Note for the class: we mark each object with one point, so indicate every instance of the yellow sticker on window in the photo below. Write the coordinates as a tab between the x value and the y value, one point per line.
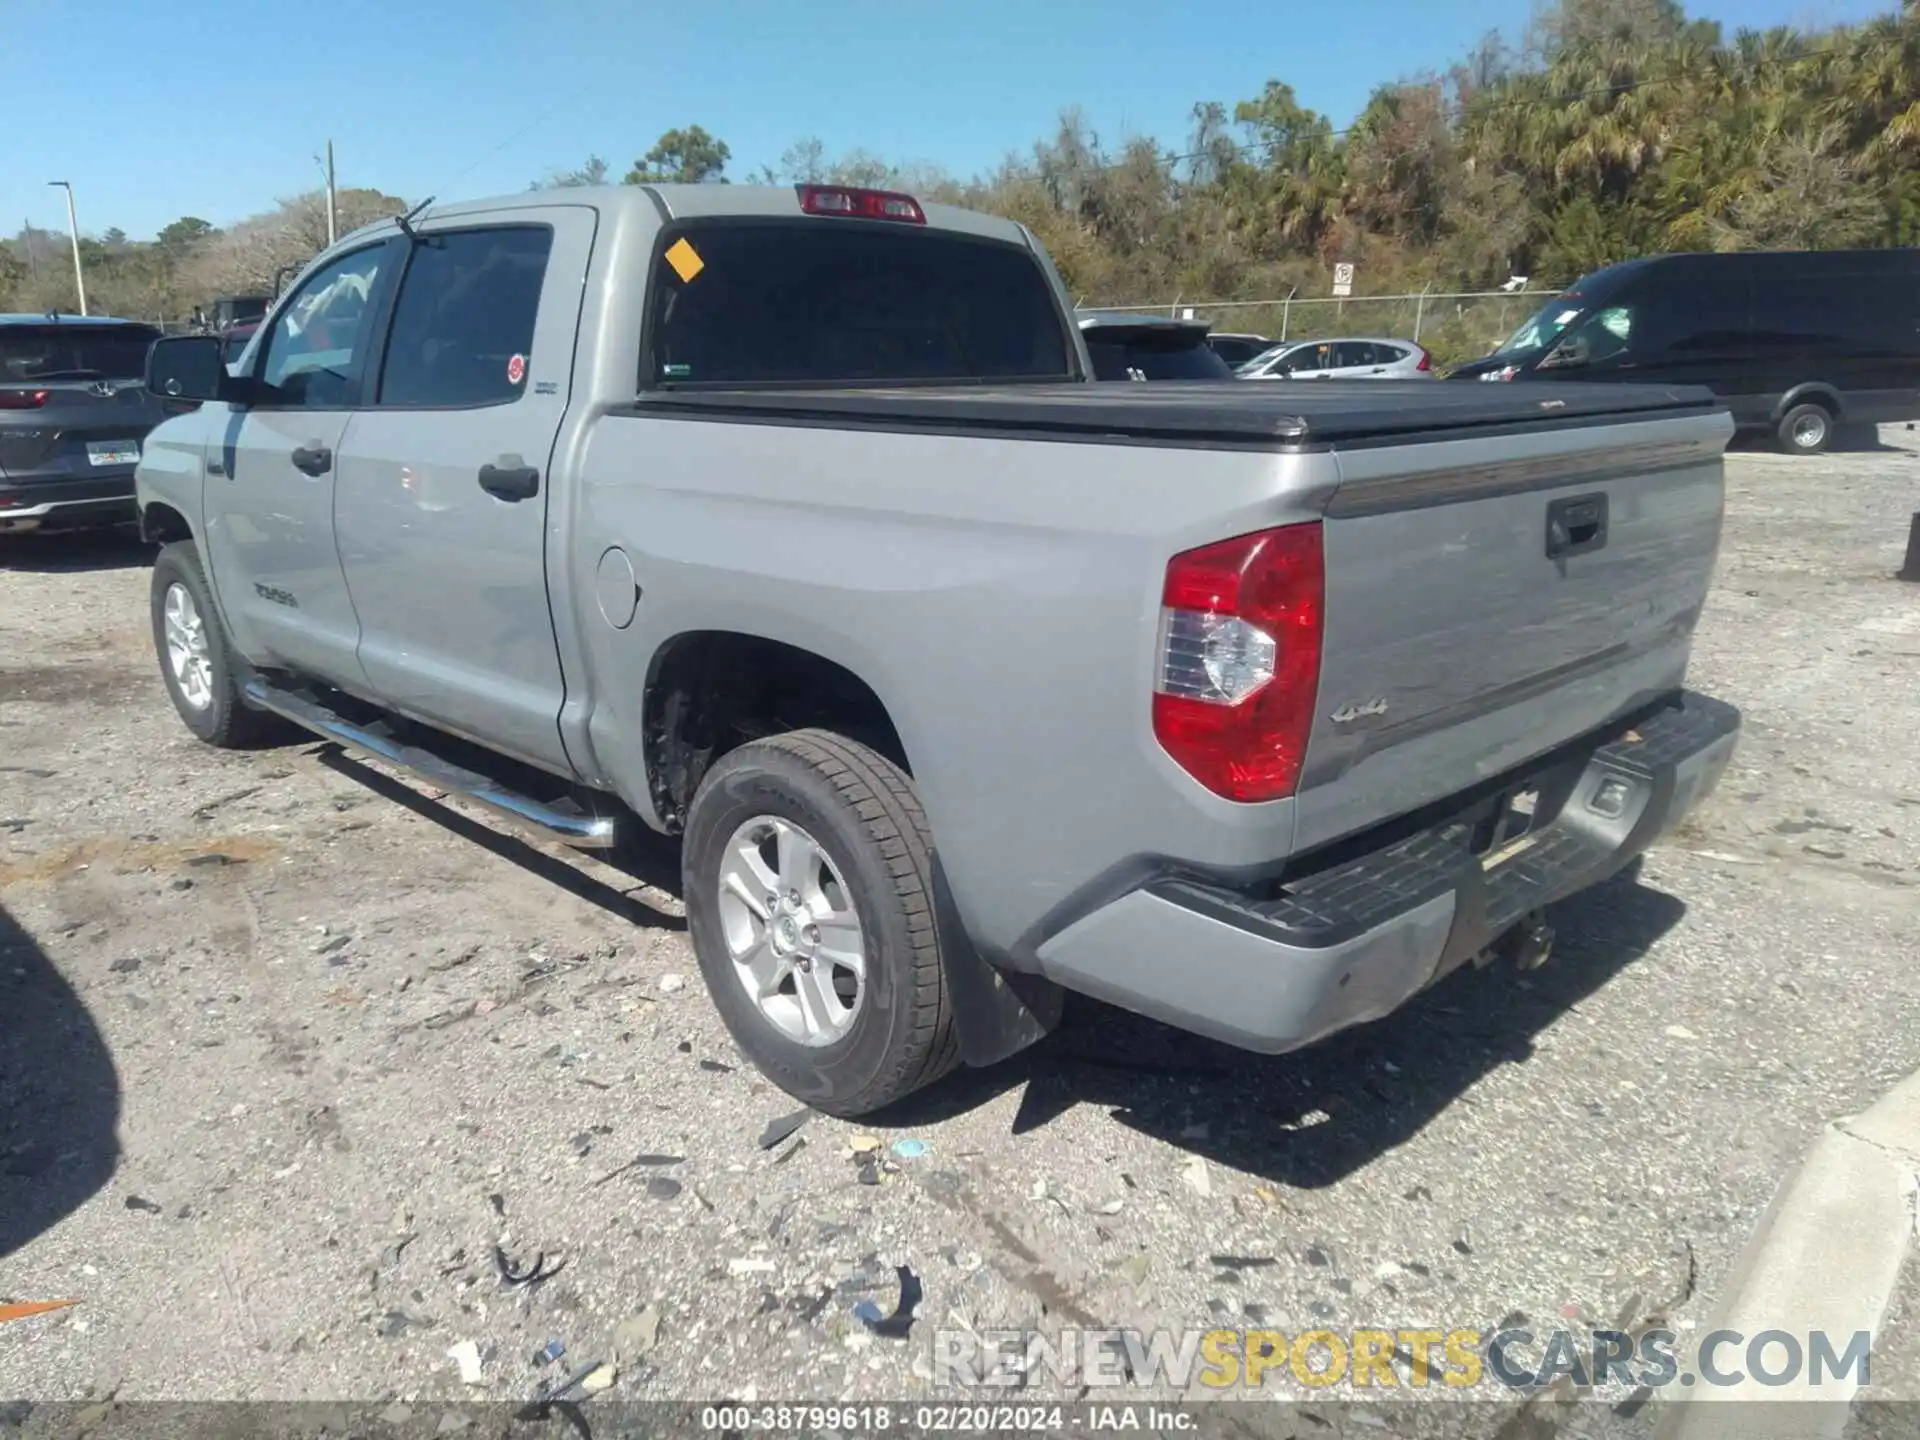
685	260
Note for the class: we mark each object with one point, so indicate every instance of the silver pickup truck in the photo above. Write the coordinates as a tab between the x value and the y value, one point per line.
787	522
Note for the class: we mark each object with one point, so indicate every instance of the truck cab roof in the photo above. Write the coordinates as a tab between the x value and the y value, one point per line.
690	202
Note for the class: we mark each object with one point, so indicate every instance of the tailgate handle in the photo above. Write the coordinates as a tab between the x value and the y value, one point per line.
1576	525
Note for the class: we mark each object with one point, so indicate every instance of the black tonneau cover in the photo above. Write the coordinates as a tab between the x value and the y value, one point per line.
1238	414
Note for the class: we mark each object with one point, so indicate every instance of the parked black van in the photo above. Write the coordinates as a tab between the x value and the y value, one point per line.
1793	341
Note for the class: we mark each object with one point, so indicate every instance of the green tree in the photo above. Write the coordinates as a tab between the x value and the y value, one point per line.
682	157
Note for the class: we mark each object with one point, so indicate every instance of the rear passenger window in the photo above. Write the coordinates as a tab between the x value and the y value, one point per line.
462	332
1356	352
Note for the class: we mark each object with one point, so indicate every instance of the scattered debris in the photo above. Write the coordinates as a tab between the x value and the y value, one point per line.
662	1187
909	1149
1112	1207
398	1322
601	1377
1194	1172
896	1325
548	1353
1242	1262
791	1151
782	1126
715	1067
636	1335
214	858
498	1202
333	943
140	1202
466	1355
582	1143
1133	1269
390	1255
670	983
863	1144
549	1391
639	1161
1680	1032
126	965
1418	1192
750	1265
512	1278
866	1172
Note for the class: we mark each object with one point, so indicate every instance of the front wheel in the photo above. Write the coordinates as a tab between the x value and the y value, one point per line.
1806	429
202	674
808	872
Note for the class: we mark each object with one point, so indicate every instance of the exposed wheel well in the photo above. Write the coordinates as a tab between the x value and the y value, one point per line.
161	524
1827	400
713	690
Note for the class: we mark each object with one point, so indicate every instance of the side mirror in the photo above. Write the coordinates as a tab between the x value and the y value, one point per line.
188	367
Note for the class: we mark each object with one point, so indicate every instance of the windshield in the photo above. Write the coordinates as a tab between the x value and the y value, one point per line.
74	352
1295	348
1545	325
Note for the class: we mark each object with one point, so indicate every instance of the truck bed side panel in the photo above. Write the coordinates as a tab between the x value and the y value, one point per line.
1000	596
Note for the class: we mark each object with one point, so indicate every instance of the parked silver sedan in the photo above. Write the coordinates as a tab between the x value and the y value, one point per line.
1353	359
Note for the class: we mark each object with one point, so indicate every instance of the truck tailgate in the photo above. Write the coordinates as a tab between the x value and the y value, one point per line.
1491	598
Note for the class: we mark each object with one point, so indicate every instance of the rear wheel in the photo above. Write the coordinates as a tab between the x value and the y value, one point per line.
1806	429
202	674
808	875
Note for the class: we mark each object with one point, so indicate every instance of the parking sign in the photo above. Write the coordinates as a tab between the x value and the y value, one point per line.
1343	279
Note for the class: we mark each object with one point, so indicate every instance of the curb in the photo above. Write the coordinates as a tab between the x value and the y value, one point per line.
1824	1257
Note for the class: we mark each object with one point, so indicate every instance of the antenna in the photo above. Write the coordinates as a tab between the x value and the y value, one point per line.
405	222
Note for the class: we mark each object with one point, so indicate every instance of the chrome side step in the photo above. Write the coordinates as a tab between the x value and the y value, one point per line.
569	826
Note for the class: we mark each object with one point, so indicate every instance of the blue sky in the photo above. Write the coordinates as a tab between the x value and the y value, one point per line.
216	107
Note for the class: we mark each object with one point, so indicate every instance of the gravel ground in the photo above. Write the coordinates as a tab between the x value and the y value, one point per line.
288	1050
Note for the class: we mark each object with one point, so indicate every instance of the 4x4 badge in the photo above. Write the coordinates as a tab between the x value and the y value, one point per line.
1347	714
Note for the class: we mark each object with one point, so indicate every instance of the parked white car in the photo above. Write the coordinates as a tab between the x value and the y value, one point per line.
1367	359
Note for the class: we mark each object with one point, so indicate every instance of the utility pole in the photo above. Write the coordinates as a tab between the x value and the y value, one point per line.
73	230
33	251
333	219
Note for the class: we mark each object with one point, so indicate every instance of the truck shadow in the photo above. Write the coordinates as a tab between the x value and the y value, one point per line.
1314	1117
646	859
65	553
59	1095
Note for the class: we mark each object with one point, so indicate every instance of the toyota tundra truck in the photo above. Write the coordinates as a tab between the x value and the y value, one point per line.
787	522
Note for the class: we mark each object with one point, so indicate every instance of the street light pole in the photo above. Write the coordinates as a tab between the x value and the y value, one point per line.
73	231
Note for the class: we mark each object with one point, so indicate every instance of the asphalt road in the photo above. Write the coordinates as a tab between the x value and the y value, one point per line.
287	1050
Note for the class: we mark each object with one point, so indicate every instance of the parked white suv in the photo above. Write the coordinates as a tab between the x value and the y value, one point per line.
1340	360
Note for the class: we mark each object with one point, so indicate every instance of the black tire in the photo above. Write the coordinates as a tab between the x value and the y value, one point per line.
1806	429
862	810
225	719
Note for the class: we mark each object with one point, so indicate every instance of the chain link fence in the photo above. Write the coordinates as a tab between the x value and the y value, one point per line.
1454	325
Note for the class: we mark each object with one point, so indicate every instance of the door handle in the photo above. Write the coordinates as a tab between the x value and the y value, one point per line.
1576	525
312	459
517	482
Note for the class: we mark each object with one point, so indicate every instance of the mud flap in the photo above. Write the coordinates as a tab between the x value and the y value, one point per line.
996	1012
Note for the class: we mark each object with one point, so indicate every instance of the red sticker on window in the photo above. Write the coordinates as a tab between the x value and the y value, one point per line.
516	369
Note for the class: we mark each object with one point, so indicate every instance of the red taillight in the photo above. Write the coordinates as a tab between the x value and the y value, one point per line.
22	399
1240	661
861	204
1426	361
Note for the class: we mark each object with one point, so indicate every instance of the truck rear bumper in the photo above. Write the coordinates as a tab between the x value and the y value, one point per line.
1277	965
